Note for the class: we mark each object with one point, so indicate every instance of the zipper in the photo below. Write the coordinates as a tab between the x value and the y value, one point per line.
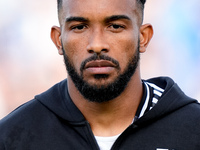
92	139
120	139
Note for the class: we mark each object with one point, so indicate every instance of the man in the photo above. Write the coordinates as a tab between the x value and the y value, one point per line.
104	104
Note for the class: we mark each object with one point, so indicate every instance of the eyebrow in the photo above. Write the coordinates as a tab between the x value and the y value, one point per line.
107	19
116	17
79	19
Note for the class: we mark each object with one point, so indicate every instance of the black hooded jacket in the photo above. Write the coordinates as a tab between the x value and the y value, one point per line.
51	121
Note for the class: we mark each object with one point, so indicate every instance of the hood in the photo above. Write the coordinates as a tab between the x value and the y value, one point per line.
57	100
171	100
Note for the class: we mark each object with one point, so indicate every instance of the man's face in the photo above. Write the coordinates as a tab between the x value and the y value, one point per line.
100	43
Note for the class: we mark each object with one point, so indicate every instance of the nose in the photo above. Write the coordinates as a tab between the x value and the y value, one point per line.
97	43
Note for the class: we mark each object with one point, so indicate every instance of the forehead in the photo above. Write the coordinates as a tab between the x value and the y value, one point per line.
98	8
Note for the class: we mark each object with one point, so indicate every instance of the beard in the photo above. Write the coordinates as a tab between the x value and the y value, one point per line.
102	93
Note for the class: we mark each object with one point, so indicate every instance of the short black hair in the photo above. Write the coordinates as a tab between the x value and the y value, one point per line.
59	3
141	4
143	1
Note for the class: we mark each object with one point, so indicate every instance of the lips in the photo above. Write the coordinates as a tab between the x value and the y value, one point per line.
100	67
100	63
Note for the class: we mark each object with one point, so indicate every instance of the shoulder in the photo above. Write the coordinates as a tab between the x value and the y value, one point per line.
21	117
192	112
23	111
24	123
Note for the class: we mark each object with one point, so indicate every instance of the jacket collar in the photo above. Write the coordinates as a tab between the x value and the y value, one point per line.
57	99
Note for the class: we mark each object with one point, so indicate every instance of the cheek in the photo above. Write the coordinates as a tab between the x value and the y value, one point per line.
74	49
127	49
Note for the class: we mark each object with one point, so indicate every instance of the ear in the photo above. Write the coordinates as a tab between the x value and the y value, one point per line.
146	33
56	38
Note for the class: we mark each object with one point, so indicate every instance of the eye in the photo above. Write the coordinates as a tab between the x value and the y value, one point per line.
79	28
116	27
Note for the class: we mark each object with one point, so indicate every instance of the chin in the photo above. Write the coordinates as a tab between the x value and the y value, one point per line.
100	80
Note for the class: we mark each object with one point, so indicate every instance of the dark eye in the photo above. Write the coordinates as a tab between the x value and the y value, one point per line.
78	28
116	28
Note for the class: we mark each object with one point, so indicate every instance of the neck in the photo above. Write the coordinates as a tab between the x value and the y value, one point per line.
112	117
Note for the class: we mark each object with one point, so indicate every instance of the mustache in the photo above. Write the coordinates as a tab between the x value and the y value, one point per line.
99	57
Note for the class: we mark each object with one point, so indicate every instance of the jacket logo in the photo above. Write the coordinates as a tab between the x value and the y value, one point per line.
163	149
